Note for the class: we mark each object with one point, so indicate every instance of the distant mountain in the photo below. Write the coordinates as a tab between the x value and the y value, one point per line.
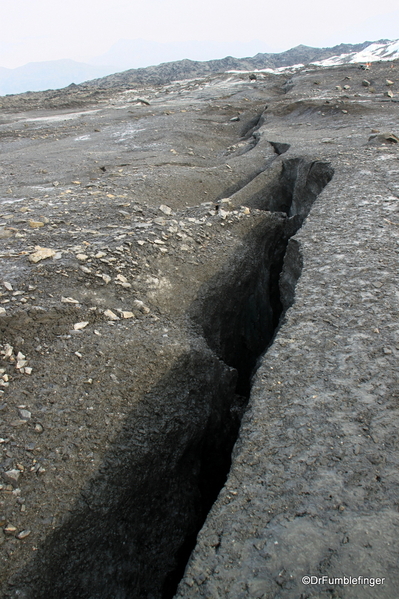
186	69
53	74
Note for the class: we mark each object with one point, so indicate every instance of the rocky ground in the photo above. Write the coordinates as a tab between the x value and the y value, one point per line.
143	234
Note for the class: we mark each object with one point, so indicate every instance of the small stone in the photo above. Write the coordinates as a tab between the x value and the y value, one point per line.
36	224
10	530
25	414
69	300
111	315
7	285
106	279
127	314
79	325
38	428
82	257
28	370
23	534
21	362
389	94
235	119
140	305
389	82
12	477
41	254
2	311
79	355
165	209
347	86
366	83
5	233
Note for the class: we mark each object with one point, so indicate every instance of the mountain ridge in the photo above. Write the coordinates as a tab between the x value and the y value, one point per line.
51	75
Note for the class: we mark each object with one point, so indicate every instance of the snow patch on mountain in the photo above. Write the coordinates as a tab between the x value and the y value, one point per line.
372	53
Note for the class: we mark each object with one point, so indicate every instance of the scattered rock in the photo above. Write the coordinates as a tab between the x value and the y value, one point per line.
165	209
41	254
111	315
12	477
5	233
68	300
126	314
142	307
79	326
36	224
23	534
25	414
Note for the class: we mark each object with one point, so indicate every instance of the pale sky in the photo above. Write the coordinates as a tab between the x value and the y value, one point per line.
40	30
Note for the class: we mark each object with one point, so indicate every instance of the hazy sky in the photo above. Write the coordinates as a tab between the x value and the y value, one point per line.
38	30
